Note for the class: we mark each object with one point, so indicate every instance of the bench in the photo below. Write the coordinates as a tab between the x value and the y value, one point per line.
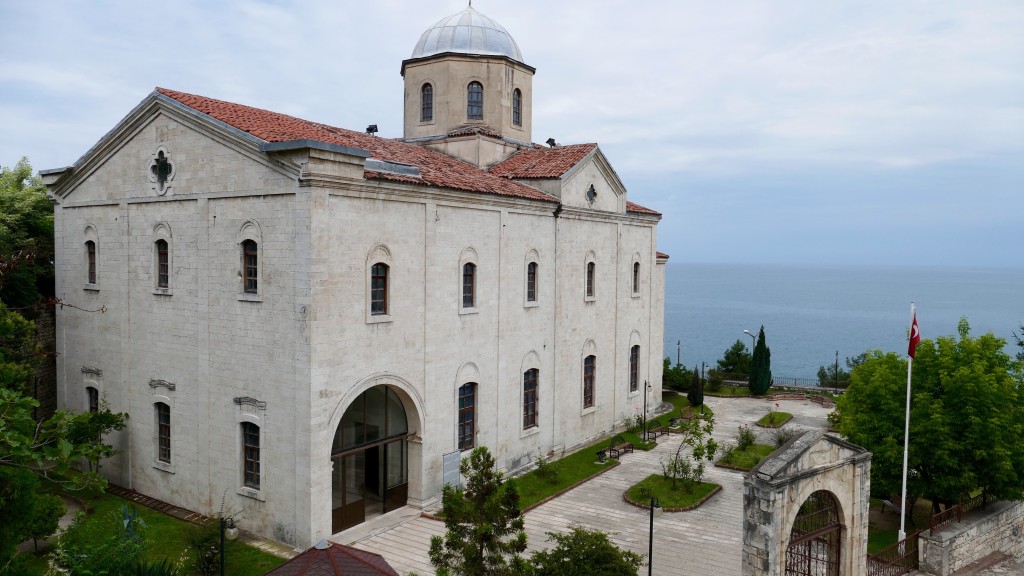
893	503
618	447
653	433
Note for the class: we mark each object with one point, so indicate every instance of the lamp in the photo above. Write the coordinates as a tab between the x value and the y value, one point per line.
753	340
551	142
371	129
228	530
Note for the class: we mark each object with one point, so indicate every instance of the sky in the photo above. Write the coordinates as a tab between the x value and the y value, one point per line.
794	132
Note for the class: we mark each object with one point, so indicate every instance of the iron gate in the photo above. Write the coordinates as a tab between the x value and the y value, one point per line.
814	541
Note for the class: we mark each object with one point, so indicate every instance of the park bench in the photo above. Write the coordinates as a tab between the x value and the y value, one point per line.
893	503
653	433
618	447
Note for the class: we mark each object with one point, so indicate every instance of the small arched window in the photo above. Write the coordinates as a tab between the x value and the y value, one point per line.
589	366
93	399
250	266
163	264
590	279
636	277
90	258
517	107
251	455
469	285
530	378
427	103
163	432
634	368
379	289
475	101
467	415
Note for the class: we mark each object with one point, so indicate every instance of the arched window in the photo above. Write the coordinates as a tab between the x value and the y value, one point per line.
427	103
517	107
379	289
163	432
469	285
636	277
90	258
251	455
531	282
467	415
475	101
93	399
634	368
589	365
163	264
249	265
530	378
590	279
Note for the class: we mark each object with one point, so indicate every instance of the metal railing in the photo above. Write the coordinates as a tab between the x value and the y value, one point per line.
897	559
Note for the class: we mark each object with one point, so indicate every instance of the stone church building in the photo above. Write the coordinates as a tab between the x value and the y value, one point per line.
312	323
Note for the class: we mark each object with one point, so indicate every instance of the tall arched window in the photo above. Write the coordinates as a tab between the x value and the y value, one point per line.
250	265
590	279
517	107
251	455
475	101
90	258
531	282
589	366
163	264
93	399
636	277
530	398
379	289
467	415
469	285
634	368
427	103
163	432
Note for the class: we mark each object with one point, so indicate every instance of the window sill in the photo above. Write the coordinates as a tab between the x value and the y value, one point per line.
252	493
162	291
533	304
249	297
468	311
530	431
379	318
163	466
633	393
588	410
91	287
636	295
590	298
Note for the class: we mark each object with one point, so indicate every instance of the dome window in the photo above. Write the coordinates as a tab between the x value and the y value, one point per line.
475	101
427	102
517	107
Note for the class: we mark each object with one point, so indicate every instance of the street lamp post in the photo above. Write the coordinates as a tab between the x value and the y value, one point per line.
227	528
655	511
753	340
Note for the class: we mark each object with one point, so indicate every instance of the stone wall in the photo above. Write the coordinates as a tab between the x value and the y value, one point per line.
999	528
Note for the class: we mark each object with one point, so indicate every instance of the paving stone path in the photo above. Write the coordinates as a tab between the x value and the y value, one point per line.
696	543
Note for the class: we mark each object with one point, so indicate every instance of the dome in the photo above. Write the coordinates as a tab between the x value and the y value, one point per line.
468	32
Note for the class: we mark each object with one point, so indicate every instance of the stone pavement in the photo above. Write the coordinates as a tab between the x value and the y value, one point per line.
704	541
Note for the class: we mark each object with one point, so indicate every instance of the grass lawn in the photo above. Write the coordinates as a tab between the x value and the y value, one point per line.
879	540
747	459
571	469
166	537
728	392
774	420
659	487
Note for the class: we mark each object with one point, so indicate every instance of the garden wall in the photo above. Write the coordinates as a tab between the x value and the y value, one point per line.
998	528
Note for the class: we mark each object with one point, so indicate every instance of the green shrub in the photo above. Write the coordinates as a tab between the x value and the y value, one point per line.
745	438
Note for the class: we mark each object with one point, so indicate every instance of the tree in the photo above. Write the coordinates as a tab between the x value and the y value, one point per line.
735	360
484	527
966	419
584	552
828	375
26	237
696	393
760	367
696	434
1020	342
674	377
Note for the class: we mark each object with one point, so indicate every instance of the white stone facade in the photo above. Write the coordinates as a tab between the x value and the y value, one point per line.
293	356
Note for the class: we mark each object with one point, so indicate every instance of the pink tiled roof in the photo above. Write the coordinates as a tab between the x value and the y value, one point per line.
436	169
330	559
542	162
634	207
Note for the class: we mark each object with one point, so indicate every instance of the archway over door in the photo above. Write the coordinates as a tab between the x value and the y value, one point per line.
370	458
815	540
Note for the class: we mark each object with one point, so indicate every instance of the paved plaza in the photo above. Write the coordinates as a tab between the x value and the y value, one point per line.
697	543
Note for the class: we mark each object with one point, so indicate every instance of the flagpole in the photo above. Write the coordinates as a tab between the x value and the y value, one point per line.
906	432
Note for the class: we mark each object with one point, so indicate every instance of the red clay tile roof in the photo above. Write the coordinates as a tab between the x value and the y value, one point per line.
436	169
542	162
662	255
634	207
335	560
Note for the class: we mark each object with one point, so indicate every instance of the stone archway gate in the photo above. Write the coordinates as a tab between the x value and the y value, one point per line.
817	478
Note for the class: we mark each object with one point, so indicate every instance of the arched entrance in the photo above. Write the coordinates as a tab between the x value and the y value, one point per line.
370	458
815	539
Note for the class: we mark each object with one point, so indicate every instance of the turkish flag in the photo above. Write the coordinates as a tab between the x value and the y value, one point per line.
915	337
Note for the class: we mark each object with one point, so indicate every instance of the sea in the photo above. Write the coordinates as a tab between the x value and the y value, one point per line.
811	314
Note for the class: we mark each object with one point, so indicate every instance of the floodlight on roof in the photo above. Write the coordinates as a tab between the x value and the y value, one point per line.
371	129
551	142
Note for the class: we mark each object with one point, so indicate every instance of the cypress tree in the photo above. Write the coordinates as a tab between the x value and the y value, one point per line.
696	393
760	367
